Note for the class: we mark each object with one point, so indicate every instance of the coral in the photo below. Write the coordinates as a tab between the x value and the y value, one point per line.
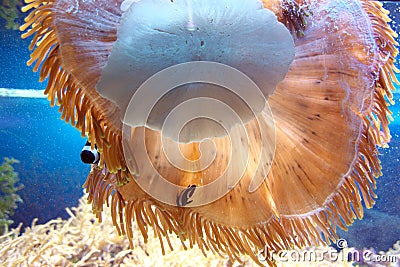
8	193
84	241
369	257
10	11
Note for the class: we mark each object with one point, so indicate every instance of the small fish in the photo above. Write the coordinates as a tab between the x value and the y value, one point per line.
89	155
183	197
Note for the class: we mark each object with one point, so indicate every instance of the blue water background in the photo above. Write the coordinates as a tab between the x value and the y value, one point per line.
48	150
32	132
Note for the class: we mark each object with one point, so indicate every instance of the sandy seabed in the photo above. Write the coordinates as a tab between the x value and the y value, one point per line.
83	241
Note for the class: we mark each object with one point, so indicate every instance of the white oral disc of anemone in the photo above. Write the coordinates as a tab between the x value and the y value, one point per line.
156	34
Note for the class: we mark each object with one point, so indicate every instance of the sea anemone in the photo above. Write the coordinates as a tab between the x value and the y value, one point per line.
154	83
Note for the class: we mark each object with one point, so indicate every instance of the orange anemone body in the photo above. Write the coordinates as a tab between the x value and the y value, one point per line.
330	113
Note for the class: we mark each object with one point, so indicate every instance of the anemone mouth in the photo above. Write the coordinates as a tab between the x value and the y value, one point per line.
160	39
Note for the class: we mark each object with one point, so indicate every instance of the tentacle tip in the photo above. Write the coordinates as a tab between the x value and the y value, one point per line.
25	8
